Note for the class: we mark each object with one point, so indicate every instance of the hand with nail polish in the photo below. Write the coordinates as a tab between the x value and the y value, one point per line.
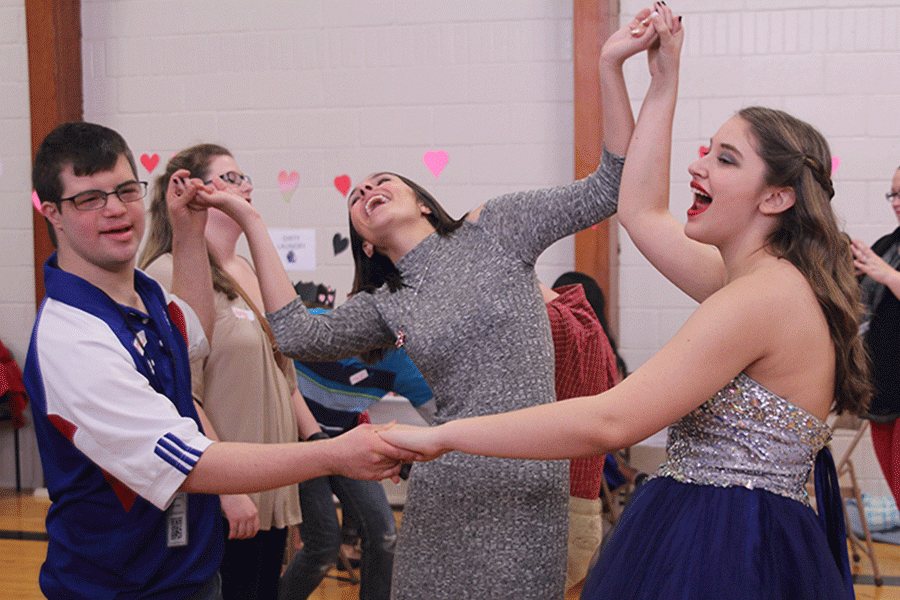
634	37
188	215
664	51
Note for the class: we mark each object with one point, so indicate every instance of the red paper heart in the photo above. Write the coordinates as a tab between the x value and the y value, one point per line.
704	150
149	162
342	183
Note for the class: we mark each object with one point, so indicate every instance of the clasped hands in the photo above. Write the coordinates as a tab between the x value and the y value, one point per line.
378	451
188	198
423	441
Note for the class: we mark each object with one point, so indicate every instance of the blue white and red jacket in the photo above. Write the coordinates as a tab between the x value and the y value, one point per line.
118	433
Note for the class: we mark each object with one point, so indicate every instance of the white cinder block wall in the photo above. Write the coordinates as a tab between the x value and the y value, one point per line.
345	87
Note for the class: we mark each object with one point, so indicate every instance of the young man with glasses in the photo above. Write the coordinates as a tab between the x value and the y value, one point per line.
131	475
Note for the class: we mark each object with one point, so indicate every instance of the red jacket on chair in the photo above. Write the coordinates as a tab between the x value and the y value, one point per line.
11	383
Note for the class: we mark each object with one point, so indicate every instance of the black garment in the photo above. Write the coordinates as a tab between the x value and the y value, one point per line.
251	568
882	340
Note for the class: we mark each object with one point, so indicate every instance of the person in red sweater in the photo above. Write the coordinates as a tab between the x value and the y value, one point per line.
585	365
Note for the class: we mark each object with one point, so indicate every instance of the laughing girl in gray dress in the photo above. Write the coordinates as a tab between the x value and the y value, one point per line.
462	297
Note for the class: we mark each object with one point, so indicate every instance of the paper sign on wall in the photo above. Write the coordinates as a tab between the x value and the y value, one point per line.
296	247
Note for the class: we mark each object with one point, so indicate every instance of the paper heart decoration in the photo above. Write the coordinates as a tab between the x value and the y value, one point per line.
835	163
287	183
704	150
339	243
149	162
36	201
342	183
436	161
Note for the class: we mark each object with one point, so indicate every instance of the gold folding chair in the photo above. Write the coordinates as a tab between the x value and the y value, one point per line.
850	489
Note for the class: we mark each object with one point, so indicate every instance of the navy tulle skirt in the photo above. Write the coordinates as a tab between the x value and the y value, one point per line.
678	540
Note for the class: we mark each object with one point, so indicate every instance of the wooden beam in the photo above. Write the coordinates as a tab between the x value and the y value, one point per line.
596	249
53	28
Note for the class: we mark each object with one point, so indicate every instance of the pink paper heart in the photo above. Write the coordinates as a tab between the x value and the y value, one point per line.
704	150
149	162
835	163
36	201
287	183
436	161
342	183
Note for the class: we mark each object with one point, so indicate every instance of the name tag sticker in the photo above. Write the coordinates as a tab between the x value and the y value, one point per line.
358	376
241	313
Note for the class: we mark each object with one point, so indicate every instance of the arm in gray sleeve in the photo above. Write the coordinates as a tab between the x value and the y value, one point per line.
348	330
526	223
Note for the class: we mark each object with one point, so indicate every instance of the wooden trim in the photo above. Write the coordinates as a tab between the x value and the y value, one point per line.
53	28
596	249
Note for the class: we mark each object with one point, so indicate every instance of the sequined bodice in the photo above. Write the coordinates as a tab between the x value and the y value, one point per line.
745	435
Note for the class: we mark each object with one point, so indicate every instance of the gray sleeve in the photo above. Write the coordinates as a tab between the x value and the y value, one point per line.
526	223
352	328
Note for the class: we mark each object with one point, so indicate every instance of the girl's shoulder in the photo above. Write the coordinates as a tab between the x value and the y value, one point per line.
775	277
773	292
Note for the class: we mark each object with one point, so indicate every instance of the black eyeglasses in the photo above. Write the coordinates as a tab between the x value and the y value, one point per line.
891	195
234	178
130	191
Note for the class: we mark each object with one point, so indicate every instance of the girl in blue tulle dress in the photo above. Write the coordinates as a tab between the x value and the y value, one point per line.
746	384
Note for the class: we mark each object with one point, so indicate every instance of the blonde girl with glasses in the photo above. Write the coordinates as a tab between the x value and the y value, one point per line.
246	390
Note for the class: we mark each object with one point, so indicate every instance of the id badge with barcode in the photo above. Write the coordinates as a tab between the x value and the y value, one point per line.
176	521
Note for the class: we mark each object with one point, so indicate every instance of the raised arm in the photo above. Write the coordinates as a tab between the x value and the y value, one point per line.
275	285
191	278
618	120
695	268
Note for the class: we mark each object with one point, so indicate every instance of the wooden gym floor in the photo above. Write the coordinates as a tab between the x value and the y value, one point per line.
23	547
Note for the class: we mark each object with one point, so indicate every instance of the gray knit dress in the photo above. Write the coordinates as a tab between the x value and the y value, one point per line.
472	319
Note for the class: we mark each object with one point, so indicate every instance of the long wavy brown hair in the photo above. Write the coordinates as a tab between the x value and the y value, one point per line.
797	155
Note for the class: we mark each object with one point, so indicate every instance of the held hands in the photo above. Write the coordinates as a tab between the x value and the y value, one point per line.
635	36
664	52
867	262
242	515
361	453
421	440
656	30
217	195
186	212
